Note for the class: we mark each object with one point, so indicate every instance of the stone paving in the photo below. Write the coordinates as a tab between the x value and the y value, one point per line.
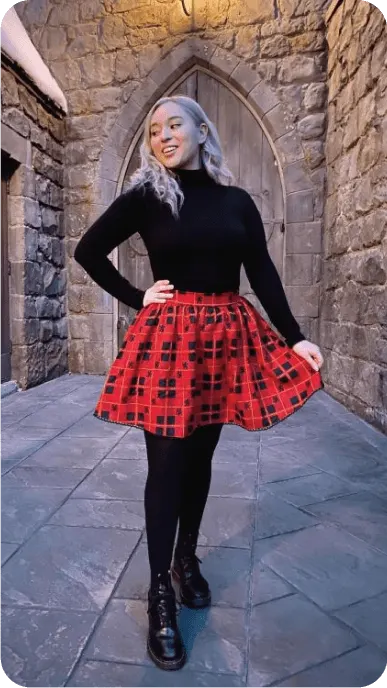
293	541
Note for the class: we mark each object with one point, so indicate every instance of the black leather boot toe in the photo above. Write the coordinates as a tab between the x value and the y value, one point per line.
165	645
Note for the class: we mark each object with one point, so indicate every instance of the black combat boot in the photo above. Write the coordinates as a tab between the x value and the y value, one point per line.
194	589
165	645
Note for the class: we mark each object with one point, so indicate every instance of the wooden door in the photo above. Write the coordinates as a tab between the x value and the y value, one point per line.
5	319
251	160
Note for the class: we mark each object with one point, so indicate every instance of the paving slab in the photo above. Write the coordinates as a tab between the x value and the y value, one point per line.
362	514
101	513
67	567
282	642
368	617
71	452
293	543
331	567
353	669
24	509
275	516
115	674
40	646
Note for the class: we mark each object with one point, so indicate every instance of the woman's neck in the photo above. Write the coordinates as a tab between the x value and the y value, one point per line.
193	177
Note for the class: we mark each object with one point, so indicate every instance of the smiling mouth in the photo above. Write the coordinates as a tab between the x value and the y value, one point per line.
169	152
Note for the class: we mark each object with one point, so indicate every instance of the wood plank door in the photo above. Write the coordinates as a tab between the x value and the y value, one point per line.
250	158
5	316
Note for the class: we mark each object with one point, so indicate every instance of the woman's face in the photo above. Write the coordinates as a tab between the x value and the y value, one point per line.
174	137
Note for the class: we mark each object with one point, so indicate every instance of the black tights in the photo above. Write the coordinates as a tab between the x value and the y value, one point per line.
176	490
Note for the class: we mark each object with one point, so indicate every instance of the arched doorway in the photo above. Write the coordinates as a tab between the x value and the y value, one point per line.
251	158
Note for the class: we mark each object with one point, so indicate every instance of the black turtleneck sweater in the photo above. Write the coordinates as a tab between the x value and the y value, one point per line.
218	230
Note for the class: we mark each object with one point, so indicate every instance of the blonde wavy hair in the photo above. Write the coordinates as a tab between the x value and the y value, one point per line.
162	180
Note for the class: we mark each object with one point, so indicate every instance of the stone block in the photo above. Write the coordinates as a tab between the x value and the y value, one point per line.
76	358
80	175
9	89
312	126
300	206
223	61
112	30
314	153
303	237
335	143
88	299
28	104
33	278
50	220
296	177
16	120
245	12
120	138
295	68
244	78
101	99
304	300
315	97
274	46
268	70
44	165
360	16
46	330
105	191
99	68
35	371
92	9
289	148
60	328
299	269
263	97
370	150
110	166
144	95
98	357
378	60
83	126
56	360
23	182
92	327
276	122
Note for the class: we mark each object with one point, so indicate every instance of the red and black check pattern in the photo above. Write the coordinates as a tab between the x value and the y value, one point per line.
204	358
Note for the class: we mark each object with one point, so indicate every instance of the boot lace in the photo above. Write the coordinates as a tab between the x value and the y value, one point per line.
166	604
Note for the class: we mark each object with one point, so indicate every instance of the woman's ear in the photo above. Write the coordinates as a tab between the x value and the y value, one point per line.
203	132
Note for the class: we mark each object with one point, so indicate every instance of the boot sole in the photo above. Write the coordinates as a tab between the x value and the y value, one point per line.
187	603
172	665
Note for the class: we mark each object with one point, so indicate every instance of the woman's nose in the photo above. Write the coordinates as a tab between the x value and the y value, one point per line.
166	135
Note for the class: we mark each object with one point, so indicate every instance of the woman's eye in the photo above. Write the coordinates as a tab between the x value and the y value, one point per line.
175	125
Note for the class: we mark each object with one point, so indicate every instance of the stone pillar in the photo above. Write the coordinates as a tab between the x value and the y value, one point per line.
354	309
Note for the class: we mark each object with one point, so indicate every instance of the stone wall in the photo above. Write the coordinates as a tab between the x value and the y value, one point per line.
354	304
38	283
104	54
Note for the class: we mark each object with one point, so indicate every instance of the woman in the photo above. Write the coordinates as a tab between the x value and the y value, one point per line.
197	354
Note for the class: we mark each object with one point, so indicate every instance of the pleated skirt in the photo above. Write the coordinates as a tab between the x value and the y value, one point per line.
202	358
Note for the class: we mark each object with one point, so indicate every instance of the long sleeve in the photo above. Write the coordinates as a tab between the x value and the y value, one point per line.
119	222
264	278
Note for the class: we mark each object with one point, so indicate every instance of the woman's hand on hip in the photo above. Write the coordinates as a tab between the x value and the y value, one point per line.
157	292
310	352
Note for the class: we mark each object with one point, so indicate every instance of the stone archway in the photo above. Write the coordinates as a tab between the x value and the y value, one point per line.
298	189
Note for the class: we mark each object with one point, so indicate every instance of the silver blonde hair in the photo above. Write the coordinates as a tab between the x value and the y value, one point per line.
162	180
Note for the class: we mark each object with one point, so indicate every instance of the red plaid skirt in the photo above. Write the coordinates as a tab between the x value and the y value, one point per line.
203	358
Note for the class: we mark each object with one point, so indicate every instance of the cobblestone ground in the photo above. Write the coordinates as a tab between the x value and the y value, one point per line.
294	543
